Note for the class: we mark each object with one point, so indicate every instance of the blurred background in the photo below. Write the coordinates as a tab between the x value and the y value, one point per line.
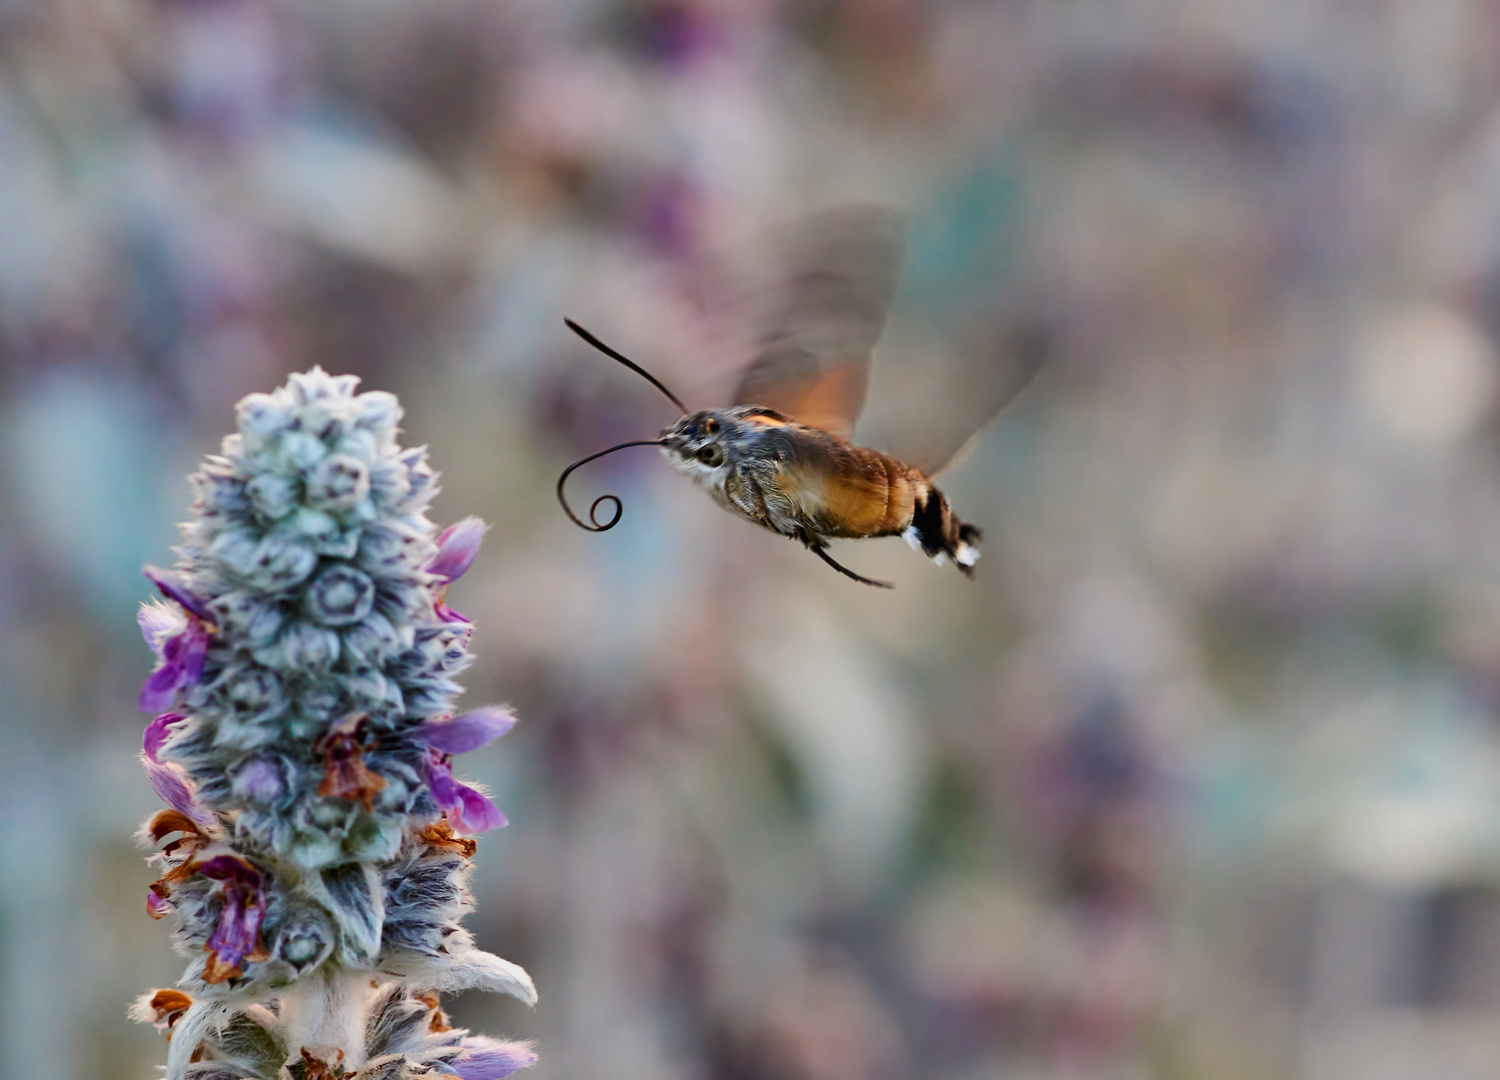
1199	780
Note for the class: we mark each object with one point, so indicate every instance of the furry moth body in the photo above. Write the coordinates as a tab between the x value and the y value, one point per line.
801	482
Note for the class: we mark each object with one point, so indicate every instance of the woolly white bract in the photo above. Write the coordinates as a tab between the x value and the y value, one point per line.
304	747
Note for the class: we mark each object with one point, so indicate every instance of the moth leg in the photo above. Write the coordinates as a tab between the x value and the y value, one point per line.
747	496
762	511
822	553
820	549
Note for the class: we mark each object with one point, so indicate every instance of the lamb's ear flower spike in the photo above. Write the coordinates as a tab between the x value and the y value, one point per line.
310	852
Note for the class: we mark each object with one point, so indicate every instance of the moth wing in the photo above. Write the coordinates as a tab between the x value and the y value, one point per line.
941	405
821	316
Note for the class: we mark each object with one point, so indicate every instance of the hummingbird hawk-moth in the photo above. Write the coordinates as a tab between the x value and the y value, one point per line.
781	453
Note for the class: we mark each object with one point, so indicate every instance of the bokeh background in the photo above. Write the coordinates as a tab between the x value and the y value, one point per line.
1199	780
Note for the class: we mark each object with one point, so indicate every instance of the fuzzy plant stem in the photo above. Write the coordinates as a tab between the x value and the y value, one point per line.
329	1010
315	844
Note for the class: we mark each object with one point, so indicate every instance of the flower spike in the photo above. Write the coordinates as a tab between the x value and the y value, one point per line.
302	737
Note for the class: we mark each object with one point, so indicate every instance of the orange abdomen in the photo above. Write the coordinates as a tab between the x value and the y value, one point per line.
871	494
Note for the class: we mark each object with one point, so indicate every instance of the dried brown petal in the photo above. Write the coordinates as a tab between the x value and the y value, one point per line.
440	835
345	773
168	1005
216	971
162	885
169	821
316	1064
440	1019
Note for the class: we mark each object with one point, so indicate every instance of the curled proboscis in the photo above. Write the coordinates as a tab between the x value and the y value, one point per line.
594	524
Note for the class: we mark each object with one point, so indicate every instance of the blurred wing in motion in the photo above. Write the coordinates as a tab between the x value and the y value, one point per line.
821	320
993	370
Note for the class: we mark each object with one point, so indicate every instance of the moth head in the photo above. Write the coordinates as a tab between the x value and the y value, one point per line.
699	443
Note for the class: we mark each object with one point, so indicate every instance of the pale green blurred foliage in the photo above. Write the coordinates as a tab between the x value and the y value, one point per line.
1198	780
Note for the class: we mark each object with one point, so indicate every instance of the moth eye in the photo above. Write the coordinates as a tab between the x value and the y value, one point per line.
711	426
711	456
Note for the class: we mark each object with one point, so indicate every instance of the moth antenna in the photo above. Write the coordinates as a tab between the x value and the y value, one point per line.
594	508
631	364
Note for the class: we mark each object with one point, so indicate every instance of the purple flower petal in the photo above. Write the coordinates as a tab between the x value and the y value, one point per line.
171	783
230	868
467	731
457	546
259	780
440	779
234	937
172	588
182	663
156	907
158	622
448	614
157	733
468	810
192	647
491	1059
161	688
474	813
237	934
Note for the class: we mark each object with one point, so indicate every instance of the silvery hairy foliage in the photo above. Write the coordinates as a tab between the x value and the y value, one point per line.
312	849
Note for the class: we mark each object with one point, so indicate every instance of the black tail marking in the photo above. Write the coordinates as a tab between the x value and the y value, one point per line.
939	532
927	520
